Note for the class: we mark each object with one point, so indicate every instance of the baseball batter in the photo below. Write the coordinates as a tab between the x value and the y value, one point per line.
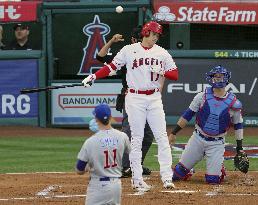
103	153
105	57
147	65
215	110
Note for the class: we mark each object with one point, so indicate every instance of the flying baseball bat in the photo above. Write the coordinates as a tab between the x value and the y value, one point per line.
36	90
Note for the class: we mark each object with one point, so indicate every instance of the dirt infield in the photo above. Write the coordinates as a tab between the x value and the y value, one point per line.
69	189
16	131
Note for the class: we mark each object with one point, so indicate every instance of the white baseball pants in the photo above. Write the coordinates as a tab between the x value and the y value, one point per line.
140	108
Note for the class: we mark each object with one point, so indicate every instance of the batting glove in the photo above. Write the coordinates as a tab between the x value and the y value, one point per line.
86	82
157	69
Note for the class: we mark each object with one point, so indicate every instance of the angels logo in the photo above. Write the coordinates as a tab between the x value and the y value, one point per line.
96	32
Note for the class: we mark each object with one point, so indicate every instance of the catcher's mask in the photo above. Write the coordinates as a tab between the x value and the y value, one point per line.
151	26
218	77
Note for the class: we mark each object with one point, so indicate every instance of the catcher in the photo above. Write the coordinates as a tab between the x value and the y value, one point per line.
215	110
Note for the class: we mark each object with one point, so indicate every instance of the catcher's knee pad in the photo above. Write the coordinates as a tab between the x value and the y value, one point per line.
212	179
180	172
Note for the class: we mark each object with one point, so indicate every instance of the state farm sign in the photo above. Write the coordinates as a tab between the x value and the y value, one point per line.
206	12
18	11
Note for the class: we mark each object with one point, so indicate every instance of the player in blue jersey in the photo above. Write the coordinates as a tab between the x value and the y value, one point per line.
215	109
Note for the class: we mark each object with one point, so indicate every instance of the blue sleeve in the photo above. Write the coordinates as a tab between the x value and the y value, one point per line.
81	165
238	126
188	114
237	105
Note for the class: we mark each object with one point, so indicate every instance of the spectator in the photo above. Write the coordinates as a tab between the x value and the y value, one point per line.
1	37
21	41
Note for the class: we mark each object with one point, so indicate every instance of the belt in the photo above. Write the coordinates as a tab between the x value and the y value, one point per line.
102	179
208	138
105	179
144	92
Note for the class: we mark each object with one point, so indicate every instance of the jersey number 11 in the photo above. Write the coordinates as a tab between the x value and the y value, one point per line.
107	163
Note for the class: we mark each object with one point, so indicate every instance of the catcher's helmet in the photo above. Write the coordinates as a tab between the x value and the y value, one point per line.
151	26
221	70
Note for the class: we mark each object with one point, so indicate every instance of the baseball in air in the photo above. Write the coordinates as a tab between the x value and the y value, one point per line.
119	9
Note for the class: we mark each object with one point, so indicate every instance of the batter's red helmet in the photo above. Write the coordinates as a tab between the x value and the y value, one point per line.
151	26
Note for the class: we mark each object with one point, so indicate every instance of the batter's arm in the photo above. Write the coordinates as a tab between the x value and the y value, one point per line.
118	61
171	74
171	71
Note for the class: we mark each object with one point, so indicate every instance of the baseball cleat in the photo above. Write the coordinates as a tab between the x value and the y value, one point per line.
146	171
189	175
141	186
168	184
223	174
126	172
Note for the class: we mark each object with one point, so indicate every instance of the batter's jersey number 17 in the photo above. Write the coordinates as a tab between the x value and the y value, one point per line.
153	77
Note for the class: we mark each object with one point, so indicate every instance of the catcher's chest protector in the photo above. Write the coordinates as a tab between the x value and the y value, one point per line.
213	117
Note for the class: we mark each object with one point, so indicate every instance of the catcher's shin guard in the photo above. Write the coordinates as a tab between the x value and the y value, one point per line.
212	179
181	172
215	179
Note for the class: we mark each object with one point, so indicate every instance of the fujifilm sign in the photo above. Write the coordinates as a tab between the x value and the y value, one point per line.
199	87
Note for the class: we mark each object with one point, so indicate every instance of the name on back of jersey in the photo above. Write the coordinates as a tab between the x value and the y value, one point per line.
109	142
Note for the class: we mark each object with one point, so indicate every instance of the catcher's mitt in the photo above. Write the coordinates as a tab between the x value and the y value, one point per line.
241	161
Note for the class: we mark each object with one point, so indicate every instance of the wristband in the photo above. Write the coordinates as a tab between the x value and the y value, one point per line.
176	130
239	145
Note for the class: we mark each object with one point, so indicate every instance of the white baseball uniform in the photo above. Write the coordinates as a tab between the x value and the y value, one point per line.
143	102
103	153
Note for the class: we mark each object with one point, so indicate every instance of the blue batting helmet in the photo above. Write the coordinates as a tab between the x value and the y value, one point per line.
221	70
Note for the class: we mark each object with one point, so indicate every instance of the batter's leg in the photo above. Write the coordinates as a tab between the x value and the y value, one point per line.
146	144
126	129
135	106
147	141
193	153
214	163
157	122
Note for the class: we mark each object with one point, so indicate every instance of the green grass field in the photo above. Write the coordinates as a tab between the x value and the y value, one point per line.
48	154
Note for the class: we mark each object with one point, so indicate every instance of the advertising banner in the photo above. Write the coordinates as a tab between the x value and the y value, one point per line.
15	75
18	11
177	95
211	12
74	106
